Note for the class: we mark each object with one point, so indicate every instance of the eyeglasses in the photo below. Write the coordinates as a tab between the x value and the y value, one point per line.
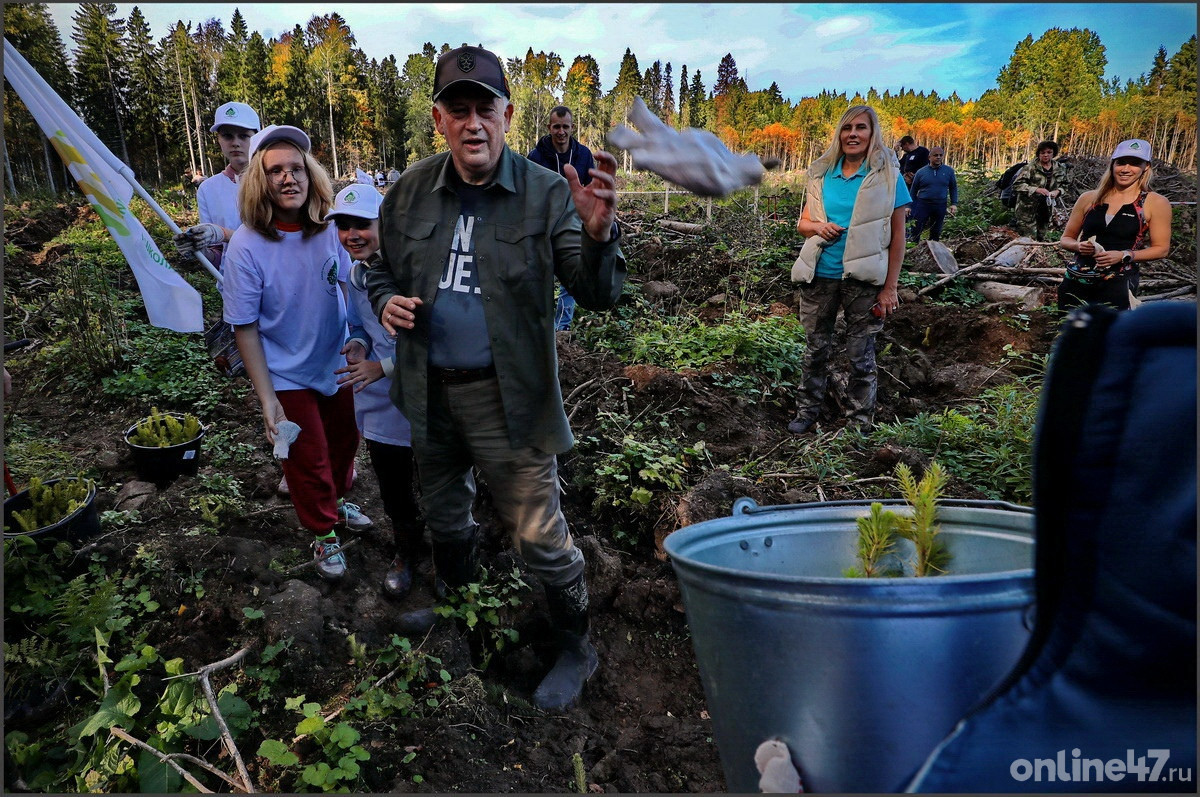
347	223
277	175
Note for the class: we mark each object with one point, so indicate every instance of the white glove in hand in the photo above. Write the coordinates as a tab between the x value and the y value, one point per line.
286	433
694	159
199	238
774	764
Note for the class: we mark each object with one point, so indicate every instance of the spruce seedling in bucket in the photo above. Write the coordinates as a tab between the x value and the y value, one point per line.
879	531
921	528
50	504
162	430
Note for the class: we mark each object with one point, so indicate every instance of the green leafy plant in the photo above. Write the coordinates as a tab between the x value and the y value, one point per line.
338	767
484	607
986	443
52	503
163	429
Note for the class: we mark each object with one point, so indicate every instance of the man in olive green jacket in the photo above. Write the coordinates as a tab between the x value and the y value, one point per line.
473	240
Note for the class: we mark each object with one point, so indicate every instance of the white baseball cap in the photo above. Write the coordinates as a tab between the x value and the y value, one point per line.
279	133
358	200
1132	148
237	114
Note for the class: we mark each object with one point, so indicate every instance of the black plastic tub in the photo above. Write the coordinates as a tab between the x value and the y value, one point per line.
81	524
163	464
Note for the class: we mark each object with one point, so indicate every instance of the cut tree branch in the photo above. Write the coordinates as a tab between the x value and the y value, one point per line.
161	756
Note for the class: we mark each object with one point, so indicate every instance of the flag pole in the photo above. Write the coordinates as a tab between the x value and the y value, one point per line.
127	173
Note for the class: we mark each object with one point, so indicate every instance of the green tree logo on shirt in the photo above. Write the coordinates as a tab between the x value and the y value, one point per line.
331	274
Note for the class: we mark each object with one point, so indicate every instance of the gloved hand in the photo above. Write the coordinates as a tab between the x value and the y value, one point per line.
286	433
198	238
694	159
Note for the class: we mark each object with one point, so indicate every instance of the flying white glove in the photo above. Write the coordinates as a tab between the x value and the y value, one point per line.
694	159
198	238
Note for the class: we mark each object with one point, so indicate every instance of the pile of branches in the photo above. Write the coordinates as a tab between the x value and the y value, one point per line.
1085	172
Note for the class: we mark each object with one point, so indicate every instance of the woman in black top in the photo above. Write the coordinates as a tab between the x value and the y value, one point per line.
1112	229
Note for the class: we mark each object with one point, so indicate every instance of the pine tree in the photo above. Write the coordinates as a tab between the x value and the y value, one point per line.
231	71
30	28
416	81
727	76
685	116
668	99
696	116
256	67
148	98
101	74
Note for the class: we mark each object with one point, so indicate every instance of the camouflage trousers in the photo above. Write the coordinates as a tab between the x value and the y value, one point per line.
1028	218
820	301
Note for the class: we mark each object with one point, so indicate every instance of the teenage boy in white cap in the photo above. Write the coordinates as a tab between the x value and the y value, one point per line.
216	198
370	356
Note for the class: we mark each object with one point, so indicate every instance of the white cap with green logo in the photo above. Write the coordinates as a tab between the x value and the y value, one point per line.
362	201
235	114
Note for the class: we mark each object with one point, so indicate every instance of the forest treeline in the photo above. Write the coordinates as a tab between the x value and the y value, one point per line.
152	101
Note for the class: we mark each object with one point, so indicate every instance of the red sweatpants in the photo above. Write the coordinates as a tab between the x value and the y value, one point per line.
320	462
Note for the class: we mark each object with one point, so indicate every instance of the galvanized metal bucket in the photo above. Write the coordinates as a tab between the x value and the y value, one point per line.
861	678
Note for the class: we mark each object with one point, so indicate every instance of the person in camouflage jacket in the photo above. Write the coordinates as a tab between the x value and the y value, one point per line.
1039	183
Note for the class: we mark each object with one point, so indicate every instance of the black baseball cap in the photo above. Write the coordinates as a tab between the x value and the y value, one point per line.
471	65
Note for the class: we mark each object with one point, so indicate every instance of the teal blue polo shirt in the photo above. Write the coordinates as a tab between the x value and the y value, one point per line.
839	195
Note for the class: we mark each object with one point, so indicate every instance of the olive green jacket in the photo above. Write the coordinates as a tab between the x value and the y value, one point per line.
530	235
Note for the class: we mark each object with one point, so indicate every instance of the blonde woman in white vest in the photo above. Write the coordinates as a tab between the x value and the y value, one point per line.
853	221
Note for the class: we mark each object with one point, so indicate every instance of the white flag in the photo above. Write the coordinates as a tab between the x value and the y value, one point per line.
364	178
170	301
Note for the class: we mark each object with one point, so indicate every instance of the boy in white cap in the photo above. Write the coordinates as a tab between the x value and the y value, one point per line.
370	356
216	198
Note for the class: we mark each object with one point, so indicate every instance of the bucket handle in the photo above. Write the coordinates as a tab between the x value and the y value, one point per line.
748	506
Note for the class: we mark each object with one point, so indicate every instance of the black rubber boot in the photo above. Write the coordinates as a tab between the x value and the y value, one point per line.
577	659
456	563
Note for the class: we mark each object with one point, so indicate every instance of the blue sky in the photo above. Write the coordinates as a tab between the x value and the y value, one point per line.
803	47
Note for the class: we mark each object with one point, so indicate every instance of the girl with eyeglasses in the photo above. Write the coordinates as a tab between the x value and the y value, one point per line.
370	356
1113	229
285	295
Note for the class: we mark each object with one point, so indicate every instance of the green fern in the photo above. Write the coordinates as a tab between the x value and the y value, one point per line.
34	657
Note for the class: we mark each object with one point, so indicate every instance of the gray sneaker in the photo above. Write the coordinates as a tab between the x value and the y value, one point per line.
352	517
334	567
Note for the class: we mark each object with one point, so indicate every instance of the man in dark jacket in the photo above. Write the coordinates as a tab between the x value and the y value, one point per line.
914	158
554	151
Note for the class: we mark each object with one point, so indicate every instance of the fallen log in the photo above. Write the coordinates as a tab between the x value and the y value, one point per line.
989	260
1171	294
1029	298
681	226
